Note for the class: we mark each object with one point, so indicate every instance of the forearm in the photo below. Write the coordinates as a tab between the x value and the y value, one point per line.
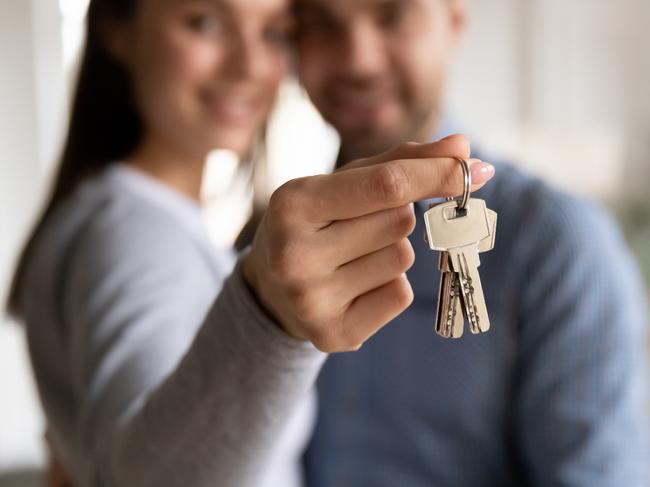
215	419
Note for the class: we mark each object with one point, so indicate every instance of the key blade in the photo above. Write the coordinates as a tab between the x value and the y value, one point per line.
466	262
449	316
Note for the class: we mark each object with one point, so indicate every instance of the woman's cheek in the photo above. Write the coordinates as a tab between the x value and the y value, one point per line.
195	61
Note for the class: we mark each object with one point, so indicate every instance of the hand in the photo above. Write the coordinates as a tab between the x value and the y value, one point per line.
330	255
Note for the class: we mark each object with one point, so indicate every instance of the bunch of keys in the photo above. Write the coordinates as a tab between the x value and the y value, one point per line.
460	230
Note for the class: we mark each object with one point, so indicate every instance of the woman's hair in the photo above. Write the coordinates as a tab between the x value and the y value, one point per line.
104	124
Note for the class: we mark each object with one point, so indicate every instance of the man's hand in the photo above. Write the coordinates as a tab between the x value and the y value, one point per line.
329	258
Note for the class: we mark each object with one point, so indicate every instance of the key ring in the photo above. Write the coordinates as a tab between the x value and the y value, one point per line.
467	180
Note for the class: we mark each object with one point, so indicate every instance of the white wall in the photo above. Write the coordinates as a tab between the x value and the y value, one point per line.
25	132
561	87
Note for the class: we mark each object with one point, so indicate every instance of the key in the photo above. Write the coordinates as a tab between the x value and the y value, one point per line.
463	237
449	316
465	261
485	245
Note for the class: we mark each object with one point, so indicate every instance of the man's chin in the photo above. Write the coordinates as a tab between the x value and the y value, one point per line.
366	141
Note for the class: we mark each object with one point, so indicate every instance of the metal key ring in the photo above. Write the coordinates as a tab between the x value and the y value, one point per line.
467	180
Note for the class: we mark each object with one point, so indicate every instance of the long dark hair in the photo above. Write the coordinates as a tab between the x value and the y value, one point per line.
104	124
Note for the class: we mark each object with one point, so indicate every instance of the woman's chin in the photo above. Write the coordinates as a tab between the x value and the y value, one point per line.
238	143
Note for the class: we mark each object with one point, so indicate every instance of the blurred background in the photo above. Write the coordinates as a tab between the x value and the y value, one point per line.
560	87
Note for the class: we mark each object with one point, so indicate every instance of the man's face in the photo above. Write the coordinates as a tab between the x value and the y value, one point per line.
375	68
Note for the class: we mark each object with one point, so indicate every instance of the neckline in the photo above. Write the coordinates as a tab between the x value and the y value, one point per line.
183	208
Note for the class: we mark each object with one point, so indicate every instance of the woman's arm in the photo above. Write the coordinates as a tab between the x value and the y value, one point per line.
158	402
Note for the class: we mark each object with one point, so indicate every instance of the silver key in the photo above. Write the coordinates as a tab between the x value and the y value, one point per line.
465	261
449	316
463	237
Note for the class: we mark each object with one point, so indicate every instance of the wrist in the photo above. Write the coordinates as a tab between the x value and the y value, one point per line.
251	279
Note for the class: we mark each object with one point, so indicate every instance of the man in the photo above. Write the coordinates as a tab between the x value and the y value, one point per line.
553	393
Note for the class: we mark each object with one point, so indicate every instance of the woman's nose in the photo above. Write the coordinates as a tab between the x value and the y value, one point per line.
249	58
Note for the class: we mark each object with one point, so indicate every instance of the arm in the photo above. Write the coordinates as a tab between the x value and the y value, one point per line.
160	403
580	414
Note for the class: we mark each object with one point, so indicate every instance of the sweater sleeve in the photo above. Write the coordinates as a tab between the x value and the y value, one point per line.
164	395
580	411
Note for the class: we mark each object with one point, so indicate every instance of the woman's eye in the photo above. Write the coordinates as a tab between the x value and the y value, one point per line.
203	24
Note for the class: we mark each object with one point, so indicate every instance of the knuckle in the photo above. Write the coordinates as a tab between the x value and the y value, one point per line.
404	220
406	148
335	338
450	177
403	293
463	144
304	303
287	201
324	341
350	343
404	254
288	261
391	182
282	260
350	336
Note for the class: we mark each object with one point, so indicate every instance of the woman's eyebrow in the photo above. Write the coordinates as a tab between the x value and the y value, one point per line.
214	3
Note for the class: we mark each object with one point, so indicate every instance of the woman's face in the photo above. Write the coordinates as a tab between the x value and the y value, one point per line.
206	72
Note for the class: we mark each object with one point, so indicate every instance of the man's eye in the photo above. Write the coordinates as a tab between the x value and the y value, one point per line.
203	24
391	15
315	23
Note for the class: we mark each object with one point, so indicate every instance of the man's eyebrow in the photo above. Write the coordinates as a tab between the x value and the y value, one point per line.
313	7
220	4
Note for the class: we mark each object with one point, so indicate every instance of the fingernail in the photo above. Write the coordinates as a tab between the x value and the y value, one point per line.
481	172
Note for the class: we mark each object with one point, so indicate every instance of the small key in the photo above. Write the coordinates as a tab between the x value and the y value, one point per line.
463	237
449	316
485	245
465	261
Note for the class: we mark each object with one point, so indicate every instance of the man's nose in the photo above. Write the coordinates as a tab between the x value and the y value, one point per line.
363	49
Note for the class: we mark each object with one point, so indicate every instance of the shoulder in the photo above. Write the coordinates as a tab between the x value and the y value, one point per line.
115	224
553	241
544	218
102	232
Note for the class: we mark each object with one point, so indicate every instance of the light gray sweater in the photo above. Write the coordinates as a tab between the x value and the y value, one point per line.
156	368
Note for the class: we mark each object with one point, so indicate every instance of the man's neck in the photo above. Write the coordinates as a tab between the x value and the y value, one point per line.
351	150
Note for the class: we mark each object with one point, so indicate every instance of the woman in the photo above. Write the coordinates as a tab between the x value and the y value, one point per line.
118	275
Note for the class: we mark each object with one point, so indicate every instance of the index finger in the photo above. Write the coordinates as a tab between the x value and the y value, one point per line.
364	190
